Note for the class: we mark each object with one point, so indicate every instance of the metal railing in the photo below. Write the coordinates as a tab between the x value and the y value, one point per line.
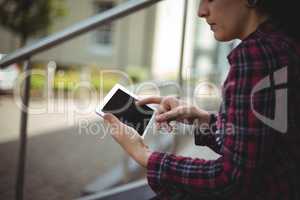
25	54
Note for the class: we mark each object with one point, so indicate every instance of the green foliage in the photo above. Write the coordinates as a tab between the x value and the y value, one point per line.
137	74
106	84
68	80
29	17
37	82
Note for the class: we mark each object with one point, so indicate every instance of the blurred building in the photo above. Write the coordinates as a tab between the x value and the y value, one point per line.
149	39
125	42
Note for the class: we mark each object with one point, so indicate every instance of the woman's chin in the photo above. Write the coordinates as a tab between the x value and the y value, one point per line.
221	37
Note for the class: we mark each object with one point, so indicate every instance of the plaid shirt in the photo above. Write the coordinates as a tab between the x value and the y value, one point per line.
257	162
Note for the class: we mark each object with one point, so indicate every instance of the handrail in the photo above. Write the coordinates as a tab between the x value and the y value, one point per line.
78	29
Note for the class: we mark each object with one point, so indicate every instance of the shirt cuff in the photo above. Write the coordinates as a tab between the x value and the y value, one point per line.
155	170
206	137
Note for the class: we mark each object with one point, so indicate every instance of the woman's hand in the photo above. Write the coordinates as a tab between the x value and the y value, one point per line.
170	109
129	139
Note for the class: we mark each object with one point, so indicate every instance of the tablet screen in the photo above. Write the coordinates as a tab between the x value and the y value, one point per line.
122	105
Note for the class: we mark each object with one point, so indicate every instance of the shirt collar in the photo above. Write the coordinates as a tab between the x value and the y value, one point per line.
265	28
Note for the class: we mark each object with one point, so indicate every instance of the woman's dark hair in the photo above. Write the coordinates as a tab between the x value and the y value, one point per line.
285	14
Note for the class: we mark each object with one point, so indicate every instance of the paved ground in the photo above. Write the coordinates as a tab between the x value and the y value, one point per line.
44	116
59	164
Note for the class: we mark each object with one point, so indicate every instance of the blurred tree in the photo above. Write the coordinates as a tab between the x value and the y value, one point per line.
26	18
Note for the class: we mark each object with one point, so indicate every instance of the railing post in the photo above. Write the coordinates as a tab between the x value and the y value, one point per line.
181	62
23	133
184	21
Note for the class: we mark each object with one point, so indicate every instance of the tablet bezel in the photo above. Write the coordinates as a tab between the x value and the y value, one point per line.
109	96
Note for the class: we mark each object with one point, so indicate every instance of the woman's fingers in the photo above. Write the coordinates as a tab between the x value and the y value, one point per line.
164	126
110	118
161	109
115	124
168	116
149	100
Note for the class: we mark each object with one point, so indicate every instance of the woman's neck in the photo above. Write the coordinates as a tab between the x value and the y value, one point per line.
255	19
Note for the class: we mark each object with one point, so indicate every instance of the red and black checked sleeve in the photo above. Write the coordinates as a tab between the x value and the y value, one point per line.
207	137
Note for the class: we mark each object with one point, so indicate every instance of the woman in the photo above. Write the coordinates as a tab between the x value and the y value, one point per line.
259	158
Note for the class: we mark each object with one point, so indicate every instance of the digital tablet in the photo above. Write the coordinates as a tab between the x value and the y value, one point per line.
121	103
